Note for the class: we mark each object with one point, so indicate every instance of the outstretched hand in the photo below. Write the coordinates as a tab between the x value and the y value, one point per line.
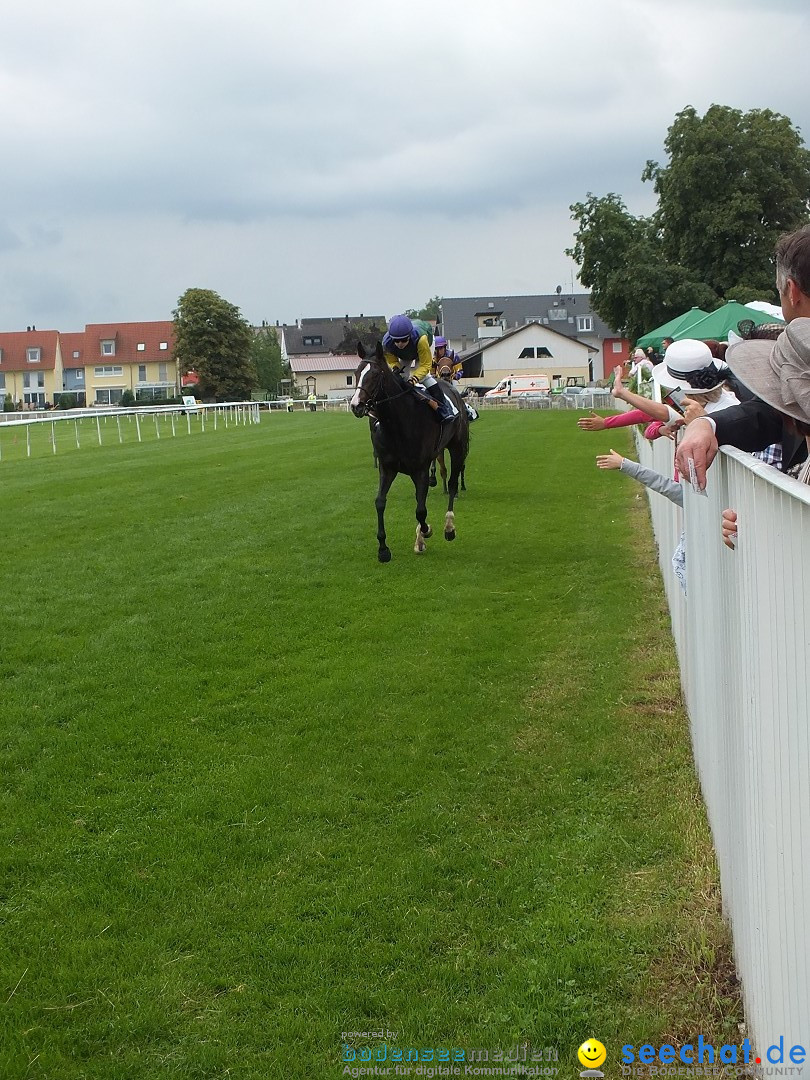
609	461
591	423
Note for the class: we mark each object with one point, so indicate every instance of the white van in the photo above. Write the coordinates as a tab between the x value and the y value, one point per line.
519	386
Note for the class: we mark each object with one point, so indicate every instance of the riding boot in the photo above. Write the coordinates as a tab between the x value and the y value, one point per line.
445	410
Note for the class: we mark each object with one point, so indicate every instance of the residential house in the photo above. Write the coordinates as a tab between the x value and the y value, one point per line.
71	349
130	356
469	321
322	353
30	368
531	348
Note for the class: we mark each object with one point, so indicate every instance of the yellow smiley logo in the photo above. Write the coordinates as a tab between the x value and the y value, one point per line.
592	1054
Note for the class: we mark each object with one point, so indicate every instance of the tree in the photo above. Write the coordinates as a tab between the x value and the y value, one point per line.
212	338
266	354
366	332
632	287
734	183
430	312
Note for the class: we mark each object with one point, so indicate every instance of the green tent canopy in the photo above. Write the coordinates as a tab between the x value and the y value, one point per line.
717	324
670	329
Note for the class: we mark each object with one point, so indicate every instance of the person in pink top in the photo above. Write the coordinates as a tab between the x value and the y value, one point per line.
644	411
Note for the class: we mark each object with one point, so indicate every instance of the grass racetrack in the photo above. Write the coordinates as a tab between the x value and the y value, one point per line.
260	790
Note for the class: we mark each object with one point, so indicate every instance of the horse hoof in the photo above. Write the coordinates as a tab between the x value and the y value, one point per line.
427	532
450	535
384	555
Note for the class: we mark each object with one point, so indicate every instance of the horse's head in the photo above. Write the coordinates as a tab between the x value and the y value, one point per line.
368	379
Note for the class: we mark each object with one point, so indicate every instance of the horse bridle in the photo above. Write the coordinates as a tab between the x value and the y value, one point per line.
371	402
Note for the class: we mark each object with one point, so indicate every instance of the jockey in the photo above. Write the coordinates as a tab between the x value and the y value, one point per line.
405	348
445	359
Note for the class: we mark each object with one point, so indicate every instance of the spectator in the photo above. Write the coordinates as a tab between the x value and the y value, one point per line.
755	424
779	374
657	482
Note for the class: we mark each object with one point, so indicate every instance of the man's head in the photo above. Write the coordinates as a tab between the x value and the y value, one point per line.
793	273
441	346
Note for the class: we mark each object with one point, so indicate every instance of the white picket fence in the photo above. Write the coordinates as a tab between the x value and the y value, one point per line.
743	639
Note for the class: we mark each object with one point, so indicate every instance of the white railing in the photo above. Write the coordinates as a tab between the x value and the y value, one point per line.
743	637
175	418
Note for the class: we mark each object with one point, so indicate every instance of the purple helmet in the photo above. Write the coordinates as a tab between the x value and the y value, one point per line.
439	342
400	327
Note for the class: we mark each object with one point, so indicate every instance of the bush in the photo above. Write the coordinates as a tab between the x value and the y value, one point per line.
8	404
127	400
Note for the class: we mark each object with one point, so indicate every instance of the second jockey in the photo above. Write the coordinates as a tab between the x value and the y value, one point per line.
445	360
407	350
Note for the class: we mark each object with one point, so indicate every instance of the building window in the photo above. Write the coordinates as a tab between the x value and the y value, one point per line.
108	348
559	314
584	324
141	372
349	380
163	345
141	346
527	352
109	397
33	355
34	380
80	374
2	381
542	351
533	318
76	354
313	341
1	356
617	346
163	372
108	372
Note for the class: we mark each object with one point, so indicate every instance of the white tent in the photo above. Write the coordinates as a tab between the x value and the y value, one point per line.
769	309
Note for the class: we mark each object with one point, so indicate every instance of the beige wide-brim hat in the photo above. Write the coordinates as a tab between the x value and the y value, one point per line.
777	371
682	359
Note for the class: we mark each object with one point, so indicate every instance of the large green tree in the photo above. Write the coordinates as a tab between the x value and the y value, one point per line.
212	337
734	182
266	353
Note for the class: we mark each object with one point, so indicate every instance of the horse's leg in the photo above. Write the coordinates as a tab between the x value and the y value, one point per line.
423	530
432	478
443	471
456	469
463	485
386	480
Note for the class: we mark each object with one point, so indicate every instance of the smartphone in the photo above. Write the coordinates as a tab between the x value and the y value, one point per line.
674	398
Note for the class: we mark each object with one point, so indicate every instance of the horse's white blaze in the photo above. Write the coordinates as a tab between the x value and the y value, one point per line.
419	545
356	399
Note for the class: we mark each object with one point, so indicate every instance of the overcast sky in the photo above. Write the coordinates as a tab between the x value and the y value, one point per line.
310	158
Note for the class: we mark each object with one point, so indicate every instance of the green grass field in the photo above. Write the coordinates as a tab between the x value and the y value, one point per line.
259	790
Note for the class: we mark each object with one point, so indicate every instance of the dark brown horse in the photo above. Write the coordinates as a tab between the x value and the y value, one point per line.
406	437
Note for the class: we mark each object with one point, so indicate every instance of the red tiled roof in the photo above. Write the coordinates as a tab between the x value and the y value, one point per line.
14	345
127	337
69	344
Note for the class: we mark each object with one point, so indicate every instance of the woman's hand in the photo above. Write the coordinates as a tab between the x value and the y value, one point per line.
591	423
609	461
618	389
692	409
